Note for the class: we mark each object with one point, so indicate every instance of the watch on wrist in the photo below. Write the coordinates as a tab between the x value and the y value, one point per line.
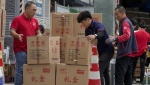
95	36
115	39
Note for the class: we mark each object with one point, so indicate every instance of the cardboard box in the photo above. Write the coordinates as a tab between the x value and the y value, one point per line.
78	51
62	24
137	69
136	73
1	18
3	23
72	75
39	74
43	50
2	4
47	32
79	29
9	69
62	49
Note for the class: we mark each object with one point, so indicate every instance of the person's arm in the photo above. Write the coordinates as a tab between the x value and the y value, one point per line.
126	32
13	28
100	33
38	33
124	37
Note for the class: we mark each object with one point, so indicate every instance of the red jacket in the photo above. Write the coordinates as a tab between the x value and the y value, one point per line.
142	38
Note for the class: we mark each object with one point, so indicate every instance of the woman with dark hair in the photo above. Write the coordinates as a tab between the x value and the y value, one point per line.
142	38
42	29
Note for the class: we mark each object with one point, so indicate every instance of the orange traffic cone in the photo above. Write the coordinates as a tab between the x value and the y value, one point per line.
94	78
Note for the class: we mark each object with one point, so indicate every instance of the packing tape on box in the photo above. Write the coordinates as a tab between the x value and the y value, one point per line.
38	53
77	50
63	22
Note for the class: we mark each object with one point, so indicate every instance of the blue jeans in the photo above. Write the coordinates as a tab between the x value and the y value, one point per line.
21	58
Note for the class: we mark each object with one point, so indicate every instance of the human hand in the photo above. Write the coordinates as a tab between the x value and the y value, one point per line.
91	37
109	40
20	37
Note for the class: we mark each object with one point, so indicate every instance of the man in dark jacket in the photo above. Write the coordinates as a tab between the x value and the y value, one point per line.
127	47
96	30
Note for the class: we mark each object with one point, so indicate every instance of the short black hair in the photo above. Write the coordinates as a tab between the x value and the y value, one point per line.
142	24
134	22
42	29
121	9
83	16
28	4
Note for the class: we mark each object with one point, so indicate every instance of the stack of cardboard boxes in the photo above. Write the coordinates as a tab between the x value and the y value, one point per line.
66	25
2	23
43	53
46	52
76	69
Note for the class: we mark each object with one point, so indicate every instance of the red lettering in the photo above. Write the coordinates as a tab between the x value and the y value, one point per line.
67	31
80	71
43	43
42	78
66	79
38	43
62	30
75	80
83	44
72	43
63	69
65	45
32	43
51	42
57	31
57	42
54	50
34	79
77	43
29	69
46	70
95	19
47	34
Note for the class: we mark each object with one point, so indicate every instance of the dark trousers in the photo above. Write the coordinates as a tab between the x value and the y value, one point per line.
123	71
147	62
142	65
104	61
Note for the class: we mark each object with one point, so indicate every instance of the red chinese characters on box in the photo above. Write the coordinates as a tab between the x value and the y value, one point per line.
29	71
37	43
95	19
72	75
79	71
46	70
51	42
41	74
71	80
63	70
38	79
77	43
54	50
